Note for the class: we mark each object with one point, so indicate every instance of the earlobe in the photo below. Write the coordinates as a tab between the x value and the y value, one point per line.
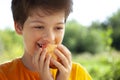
18	28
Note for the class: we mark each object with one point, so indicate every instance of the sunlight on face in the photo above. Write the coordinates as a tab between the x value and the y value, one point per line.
43	29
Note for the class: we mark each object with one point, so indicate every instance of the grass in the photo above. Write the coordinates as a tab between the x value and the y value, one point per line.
98	65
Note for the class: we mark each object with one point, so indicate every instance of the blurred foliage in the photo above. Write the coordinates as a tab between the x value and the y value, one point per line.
11	45
111	72
108	70
103	66
114	22
81	39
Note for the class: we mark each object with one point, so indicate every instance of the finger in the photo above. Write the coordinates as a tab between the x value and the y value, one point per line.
63	59
57	64
47	62
36	57
65	51
42	58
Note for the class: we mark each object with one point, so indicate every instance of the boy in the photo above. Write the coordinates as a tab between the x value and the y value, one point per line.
42	22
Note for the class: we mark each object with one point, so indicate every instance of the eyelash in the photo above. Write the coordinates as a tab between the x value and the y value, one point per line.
39	27
42	27
59	28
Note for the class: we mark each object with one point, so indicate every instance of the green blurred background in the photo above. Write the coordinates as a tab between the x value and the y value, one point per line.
96	47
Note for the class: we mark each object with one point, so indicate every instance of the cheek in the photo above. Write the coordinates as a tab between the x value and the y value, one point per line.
30	42
59	38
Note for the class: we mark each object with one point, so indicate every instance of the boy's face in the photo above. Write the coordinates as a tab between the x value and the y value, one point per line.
40	29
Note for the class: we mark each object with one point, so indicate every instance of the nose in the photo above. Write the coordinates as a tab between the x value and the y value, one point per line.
49	36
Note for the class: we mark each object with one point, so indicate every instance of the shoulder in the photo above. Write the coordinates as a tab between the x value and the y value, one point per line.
8	66
77	66
2	75
79	72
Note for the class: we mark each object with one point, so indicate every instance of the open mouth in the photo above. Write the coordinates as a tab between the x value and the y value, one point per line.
39	45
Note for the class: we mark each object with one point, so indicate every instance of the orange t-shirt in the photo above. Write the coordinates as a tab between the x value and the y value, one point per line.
16	70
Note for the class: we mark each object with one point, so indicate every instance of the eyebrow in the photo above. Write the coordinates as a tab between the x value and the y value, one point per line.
44	23
36	21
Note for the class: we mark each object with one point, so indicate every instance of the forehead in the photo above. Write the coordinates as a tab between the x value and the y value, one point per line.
40	15
44	12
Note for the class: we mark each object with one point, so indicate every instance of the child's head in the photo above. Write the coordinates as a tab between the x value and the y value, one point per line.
40	22
21	9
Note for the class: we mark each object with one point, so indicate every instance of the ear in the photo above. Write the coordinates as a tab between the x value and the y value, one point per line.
18	28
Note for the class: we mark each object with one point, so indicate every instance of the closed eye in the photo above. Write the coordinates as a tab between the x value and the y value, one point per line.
59	28
39	27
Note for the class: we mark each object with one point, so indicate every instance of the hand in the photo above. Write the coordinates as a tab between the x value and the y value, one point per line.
41	63
65	64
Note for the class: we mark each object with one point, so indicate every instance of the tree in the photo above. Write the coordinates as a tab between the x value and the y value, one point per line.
114	21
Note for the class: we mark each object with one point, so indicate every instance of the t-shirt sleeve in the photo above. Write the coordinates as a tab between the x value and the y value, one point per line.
2	75
79	72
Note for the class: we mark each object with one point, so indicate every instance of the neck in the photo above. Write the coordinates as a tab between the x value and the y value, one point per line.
27	61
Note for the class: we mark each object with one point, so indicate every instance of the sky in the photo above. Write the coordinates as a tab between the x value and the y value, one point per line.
84	11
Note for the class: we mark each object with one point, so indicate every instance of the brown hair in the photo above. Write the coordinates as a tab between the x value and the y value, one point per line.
21	8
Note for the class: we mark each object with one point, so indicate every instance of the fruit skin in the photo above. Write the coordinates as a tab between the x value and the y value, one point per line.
50	50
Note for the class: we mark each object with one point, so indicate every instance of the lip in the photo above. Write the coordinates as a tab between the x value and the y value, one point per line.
41	45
